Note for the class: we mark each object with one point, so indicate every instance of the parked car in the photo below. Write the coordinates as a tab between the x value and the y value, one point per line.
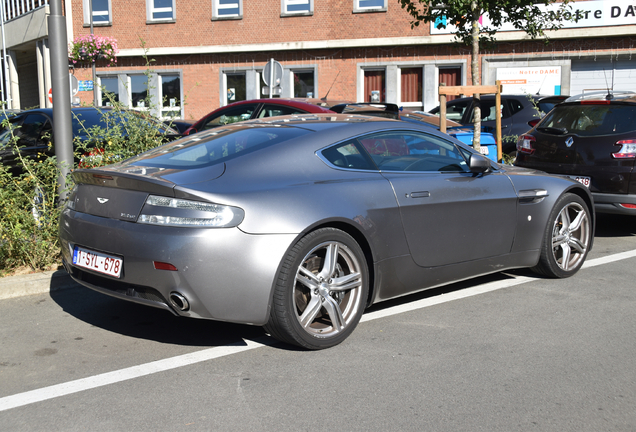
488	143
253	109
516	112
299	223
34	131
590	138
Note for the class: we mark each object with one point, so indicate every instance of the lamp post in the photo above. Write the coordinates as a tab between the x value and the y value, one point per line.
62	129
90	14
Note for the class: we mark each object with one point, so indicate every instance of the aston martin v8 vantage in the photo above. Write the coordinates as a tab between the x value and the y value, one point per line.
299	223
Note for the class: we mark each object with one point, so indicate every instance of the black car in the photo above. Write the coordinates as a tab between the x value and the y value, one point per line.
590	138
517	111
33	130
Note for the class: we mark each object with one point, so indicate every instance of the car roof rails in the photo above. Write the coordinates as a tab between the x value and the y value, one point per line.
388	110
600	95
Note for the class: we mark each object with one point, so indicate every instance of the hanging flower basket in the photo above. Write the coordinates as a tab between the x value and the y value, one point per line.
90	48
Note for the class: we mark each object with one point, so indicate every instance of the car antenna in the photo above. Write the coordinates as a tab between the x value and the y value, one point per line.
334	81
541	86
610	90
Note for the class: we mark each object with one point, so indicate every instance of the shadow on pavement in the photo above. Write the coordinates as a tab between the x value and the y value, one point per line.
139	321
611	225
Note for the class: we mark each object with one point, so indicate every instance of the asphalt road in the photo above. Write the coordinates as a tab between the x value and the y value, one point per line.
510	352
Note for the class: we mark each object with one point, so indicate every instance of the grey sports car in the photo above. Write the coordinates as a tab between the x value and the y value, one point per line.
299	223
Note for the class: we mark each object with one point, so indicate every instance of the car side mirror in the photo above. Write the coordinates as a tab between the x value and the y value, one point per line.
478	164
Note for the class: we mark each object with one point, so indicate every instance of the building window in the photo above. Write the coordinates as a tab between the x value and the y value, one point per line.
303	84
374	85
236	87
227	9
110	90
170	95
450	76
161	98
369	5
411	82
297	7
160	10
138	85
101	13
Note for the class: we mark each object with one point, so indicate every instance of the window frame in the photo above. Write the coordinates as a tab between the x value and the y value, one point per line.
298	70
284	8
154	90
151	9
216	7
88	12
361	9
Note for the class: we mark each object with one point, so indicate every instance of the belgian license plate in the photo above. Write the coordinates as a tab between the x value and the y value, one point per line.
97	261
483	150
585	181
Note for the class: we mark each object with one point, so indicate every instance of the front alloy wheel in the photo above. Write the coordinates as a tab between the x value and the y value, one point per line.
567	238
321	291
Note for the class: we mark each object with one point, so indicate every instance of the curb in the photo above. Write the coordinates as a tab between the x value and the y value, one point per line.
35	283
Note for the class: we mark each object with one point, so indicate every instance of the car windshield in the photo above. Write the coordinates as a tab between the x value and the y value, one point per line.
215	146
591	120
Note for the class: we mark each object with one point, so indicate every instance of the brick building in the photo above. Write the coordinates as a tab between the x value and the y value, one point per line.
208	53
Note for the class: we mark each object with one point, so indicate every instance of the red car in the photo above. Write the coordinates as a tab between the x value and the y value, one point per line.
253	109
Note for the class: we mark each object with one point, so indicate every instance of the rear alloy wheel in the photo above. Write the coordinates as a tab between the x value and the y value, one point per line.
321	290
567	238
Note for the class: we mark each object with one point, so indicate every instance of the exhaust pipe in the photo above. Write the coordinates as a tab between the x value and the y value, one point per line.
179	301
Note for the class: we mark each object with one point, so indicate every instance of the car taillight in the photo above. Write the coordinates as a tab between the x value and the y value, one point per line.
627	150
524	144
533	122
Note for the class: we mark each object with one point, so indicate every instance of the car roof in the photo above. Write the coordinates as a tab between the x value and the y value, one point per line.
302	104
428	118
613	96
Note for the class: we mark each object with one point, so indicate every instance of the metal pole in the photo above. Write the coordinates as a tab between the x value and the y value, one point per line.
62	129
271	77
90	7
5	66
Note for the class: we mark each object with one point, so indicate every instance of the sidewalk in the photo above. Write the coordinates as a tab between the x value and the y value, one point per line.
35	283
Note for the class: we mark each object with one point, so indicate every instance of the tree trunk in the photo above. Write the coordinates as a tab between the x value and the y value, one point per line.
475	73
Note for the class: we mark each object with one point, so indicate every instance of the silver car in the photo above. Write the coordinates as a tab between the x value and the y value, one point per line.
299	223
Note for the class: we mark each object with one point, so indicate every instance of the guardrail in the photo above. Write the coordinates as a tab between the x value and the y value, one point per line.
15	8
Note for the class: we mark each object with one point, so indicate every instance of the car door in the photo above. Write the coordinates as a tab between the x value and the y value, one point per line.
449	214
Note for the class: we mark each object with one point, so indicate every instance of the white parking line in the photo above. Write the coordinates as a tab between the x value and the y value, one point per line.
45	393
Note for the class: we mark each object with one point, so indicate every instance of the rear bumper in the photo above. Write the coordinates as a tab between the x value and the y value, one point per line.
225	274
611	203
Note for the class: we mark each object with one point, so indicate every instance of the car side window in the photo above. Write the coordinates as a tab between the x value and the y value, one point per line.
270	110
34	128
348	155
455	110
515	106
412	151
231	115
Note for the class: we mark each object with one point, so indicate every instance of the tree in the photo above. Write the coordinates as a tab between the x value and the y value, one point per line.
464	15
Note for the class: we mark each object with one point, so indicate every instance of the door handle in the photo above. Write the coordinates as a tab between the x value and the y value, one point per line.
422	194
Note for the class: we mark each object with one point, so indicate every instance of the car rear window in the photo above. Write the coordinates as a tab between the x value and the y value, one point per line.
215	146
592	120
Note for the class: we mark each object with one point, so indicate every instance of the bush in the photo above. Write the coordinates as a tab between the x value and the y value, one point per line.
29	207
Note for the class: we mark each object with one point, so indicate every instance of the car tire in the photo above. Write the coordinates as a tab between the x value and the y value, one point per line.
321	291
567	238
